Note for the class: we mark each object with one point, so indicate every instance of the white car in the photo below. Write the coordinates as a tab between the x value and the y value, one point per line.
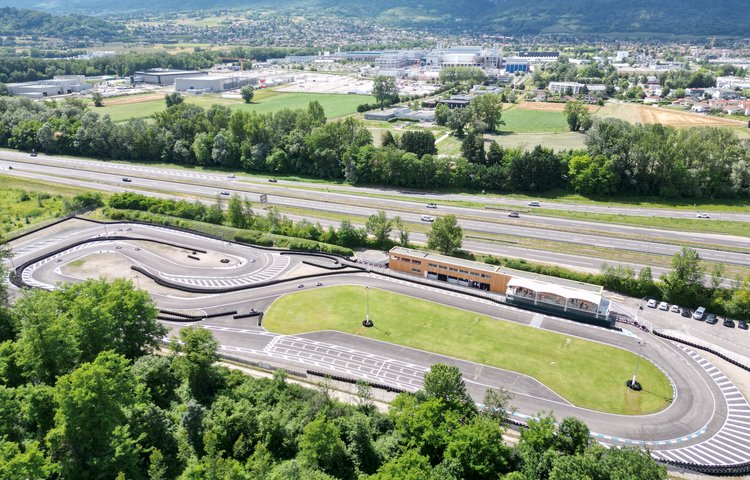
428	218
431	205
663	306
651	303
702	215
674	309
534	204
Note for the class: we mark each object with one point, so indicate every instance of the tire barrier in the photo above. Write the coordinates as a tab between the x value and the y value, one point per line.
737	470
338	378
237	288
247	315
325	267
262	365
178	319
214	237
221	314
180	315
704	348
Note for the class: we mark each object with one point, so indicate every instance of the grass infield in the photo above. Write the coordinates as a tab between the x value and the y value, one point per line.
587	374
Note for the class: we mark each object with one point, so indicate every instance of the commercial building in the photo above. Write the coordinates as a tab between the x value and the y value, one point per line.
212	84
397	59
163	76
457	101
732	83
464	56
59	85
515	64
400	113
539	57
562	87
578	301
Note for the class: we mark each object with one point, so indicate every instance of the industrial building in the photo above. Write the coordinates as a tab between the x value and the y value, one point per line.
539	57
400	113
578	301
396	59
515	64
212	84
468	56
562	87
164	76
59	85
457	101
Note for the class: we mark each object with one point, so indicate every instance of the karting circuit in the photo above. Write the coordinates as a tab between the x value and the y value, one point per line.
688	414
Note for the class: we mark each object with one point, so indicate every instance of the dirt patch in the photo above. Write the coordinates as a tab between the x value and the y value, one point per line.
133	99
676	118
550	107
112	266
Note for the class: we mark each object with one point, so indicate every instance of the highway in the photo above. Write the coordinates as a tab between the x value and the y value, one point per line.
703	423
495	223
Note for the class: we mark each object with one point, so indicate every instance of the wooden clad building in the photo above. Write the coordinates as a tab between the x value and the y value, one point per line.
556	296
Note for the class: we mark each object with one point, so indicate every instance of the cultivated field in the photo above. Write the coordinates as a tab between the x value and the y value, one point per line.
587	374
646	114
265	101
550	107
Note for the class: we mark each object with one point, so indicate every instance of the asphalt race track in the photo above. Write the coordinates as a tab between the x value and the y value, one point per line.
706	427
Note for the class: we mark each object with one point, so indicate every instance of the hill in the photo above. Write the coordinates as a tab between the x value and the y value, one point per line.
510	17
14	21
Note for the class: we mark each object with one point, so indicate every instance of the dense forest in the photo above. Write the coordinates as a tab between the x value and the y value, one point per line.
88	392
620	158
22	22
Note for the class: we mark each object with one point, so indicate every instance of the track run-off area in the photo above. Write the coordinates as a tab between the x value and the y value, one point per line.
224	286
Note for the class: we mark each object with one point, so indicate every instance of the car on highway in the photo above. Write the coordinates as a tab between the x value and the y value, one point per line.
702	215
10	167
33	153
698	313
728	322
742	324
663	306
272	180
686	312
428	218
674	309
431	205
231	175
127	179
712	319
514	215
534	204
224	192
651	303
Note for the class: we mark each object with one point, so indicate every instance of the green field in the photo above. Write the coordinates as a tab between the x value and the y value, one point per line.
587	374
24	202
265	101
533	121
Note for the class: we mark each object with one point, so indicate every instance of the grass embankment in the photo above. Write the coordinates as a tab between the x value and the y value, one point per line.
587	374
24	202
264	101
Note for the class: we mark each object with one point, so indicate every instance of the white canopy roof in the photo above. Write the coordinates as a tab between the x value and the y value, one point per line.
565	292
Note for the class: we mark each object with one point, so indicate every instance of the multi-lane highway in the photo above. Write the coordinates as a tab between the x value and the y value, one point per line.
707	422
488	230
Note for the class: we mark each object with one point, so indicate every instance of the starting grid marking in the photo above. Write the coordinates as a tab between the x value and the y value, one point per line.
731	444
372	367
536	321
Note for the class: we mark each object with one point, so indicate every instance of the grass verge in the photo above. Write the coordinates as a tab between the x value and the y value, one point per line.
587	374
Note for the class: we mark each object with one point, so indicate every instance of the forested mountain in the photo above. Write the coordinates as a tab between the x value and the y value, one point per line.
510	17
14	21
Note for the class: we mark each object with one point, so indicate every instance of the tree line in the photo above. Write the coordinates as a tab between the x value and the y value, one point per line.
620	158
85	394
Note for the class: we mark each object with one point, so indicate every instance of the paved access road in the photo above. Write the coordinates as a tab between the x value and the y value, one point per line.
705	423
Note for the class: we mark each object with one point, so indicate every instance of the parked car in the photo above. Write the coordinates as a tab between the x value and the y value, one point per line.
663	306
514	215
702	215
698	313
728	322
534	204
686	312
651	303
272	180
675	309
224	192
742	324
126	179
428	218
431	205
712	319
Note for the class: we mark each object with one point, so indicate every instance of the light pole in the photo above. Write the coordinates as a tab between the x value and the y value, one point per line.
367	322
633	384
